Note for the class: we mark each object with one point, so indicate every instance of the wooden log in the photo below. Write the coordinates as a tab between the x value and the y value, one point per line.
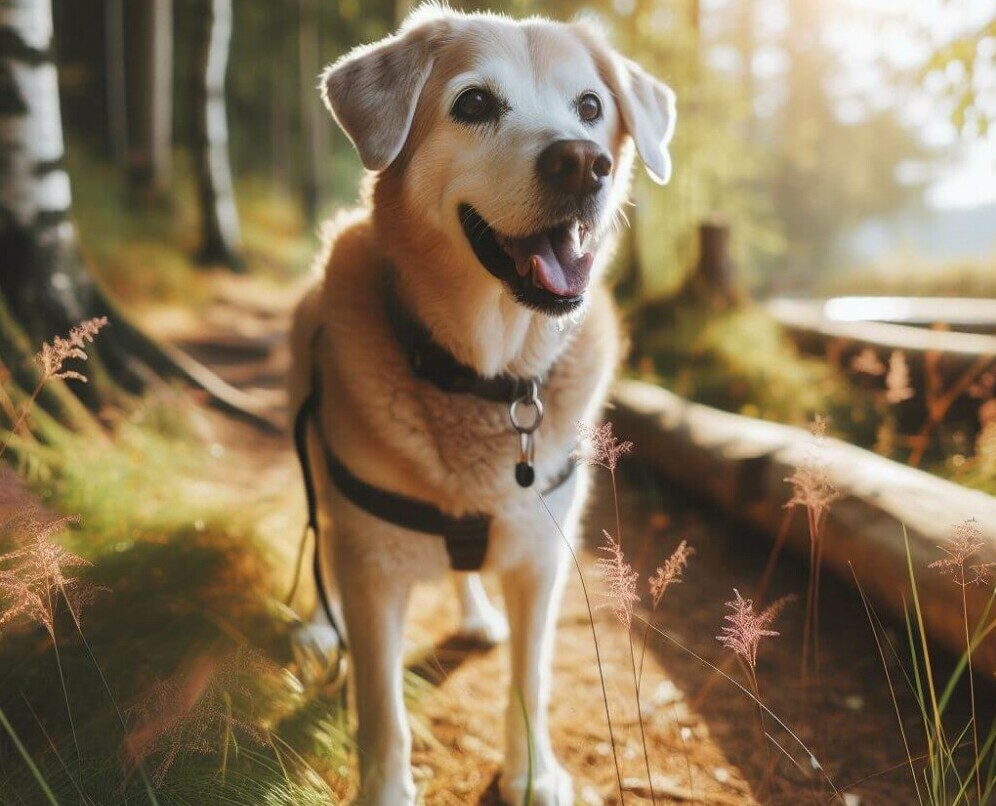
740	465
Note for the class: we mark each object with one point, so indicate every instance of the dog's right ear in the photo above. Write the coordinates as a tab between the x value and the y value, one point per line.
373	90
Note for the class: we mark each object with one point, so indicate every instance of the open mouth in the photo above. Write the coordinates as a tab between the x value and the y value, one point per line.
547	271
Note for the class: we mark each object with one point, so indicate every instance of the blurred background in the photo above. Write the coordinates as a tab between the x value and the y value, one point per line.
846	143
825	148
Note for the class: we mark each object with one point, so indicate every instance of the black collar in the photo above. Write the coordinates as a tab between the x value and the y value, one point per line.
432	362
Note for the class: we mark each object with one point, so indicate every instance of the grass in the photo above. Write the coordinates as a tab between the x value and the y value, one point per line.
956	768
741	360
182	571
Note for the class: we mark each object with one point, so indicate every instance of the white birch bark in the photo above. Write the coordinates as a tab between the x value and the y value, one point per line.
222	233
32	180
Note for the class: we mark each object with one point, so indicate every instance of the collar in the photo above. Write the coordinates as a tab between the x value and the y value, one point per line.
432	362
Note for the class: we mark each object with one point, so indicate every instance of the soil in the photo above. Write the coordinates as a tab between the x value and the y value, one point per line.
703	733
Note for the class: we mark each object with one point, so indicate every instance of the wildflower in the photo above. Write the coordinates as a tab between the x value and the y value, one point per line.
32	577
965	544
867	362
602	446
189	711
811	483
620	578
670	573
53	356
746	628
897	379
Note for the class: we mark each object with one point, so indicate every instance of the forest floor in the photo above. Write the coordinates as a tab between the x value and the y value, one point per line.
703	733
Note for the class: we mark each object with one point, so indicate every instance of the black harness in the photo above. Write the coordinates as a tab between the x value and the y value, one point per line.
466	537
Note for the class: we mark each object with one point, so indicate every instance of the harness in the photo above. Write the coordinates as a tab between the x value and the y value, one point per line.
465	537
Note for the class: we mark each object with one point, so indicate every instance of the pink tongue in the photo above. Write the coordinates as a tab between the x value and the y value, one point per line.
561	267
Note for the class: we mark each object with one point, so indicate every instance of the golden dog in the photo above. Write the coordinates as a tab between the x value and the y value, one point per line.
498	155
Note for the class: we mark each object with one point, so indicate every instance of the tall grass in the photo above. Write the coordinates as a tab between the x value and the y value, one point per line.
942	780
143	583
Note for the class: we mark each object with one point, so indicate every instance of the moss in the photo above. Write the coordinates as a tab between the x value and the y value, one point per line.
742	361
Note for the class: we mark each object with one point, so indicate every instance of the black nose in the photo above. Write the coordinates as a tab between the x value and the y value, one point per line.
574	167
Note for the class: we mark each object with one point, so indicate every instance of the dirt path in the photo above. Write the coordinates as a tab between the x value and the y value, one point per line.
703	734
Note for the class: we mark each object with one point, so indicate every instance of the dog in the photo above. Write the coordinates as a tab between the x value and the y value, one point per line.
498	153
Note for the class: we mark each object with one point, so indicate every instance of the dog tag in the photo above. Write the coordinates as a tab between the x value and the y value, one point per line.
525	474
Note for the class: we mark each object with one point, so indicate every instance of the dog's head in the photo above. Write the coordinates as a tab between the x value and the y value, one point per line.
509	142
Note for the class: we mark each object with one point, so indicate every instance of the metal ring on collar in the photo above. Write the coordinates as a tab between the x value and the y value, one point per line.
531	398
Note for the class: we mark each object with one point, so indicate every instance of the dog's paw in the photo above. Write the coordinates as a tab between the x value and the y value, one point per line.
552	787
318	653
485	626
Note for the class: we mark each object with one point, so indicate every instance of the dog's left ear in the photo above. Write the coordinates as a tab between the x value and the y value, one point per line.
646	105
373	90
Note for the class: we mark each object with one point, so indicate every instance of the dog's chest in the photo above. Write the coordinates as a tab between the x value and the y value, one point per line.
474	446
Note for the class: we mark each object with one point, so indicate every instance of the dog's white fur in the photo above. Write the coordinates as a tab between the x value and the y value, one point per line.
393	99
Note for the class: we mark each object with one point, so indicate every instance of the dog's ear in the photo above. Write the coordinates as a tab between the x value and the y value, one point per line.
373	90
646	105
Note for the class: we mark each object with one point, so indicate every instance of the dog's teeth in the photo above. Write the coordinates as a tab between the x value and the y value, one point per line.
534	268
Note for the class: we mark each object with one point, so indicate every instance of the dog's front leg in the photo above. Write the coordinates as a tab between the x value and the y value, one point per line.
532	597
374	607
480	621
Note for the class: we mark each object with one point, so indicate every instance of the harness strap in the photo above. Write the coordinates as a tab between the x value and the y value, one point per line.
309	409
466	538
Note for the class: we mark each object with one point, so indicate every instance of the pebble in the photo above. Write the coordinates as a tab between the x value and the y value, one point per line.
590	797
666	693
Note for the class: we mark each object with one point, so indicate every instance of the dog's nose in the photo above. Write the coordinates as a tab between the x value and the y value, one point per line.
574	167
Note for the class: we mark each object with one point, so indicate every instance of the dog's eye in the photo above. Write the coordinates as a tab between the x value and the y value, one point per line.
589	107
475	105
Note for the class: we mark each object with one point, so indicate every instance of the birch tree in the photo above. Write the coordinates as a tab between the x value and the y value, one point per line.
45	288
42	278
150	96
222	239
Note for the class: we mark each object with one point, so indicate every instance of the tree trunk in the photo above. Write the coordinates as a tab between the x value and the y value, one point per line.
219	215
42	277
44	286
114	83
150	96
313	118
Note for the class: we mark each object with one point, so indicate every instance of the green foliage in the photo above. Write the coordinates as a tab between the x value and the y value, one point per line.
946	774
905	273
717	168
181	568
147	255
960	60
741	361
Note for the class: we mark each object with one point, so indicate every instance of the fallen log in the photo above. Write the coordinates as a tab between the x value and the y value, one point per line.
740	465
